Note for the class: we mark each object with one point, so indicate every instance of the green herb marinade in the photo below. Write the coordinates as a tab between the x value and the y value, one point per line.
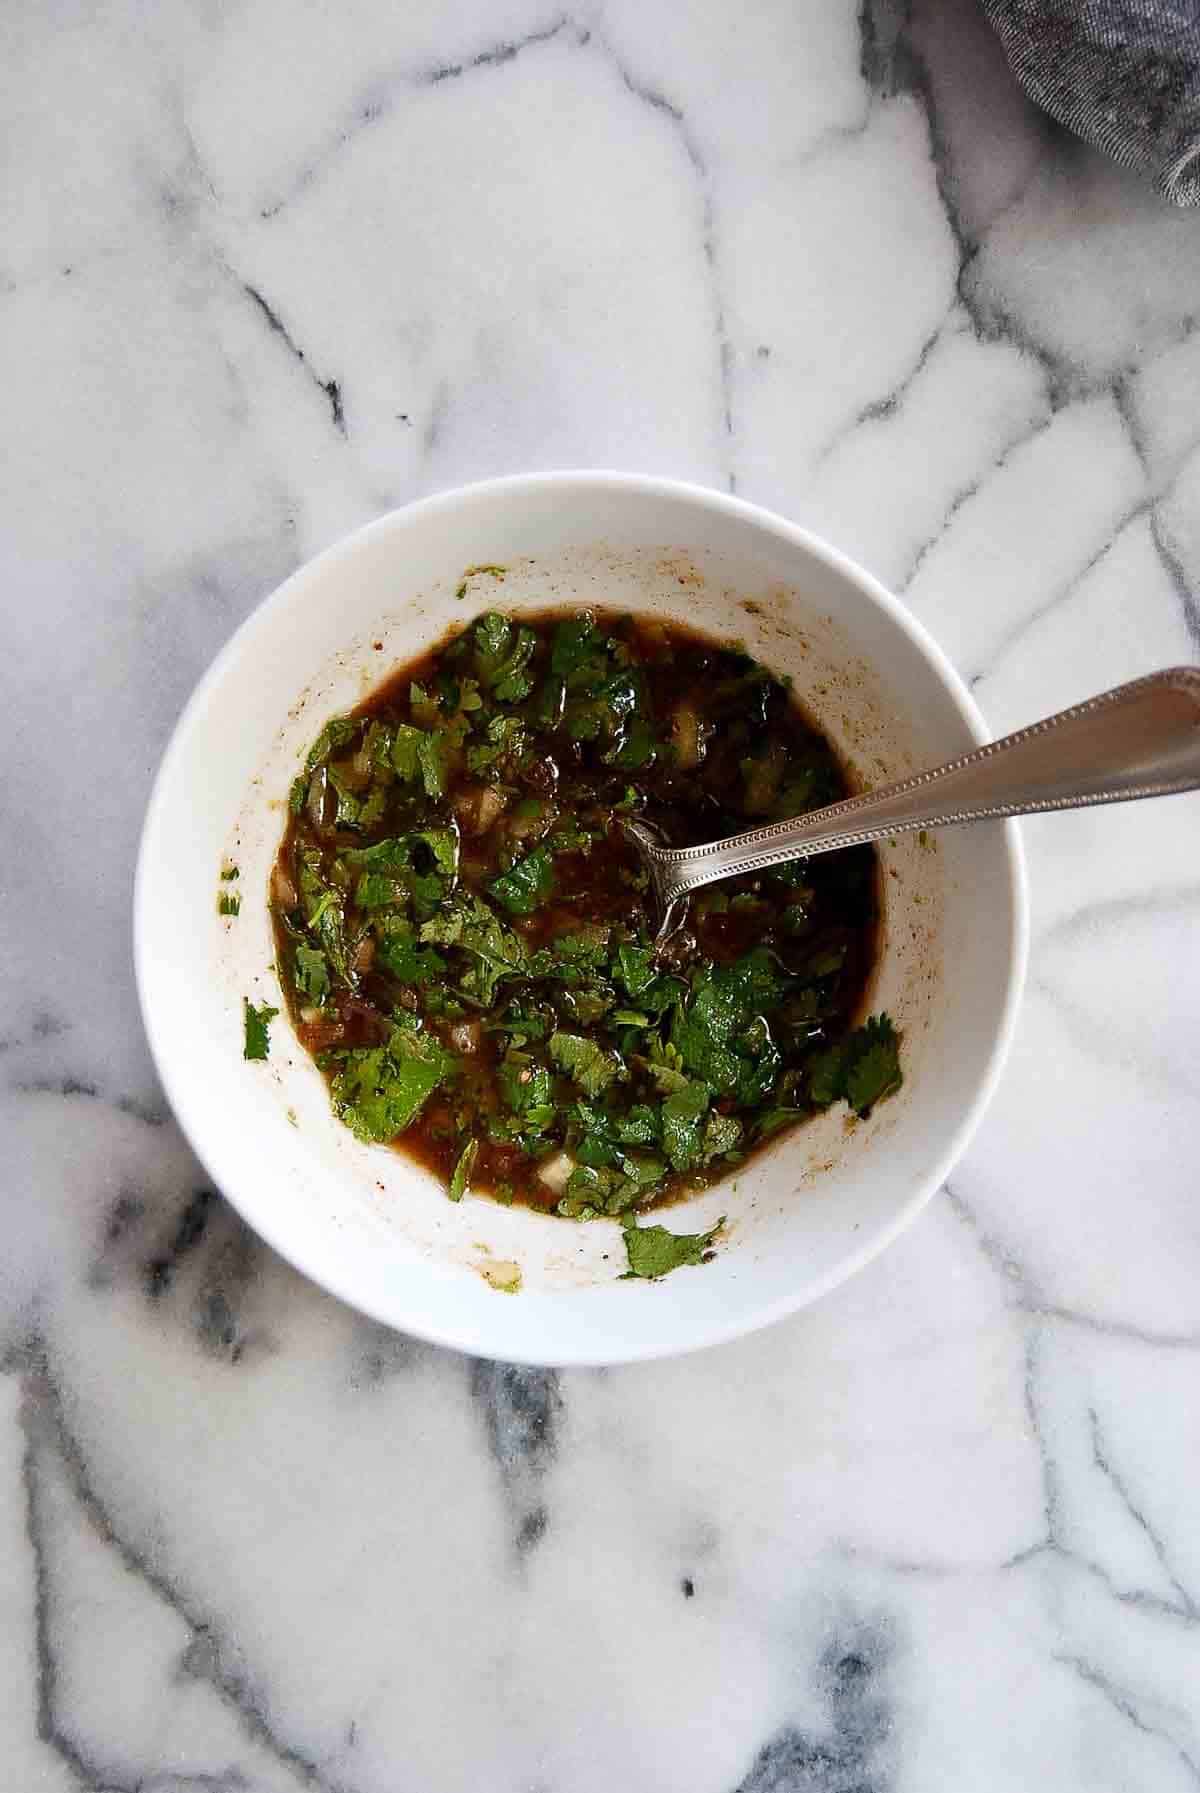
464	935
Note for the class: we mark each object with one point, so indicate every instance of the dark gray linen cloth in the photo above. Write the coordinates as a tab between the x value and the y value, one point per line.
1124	74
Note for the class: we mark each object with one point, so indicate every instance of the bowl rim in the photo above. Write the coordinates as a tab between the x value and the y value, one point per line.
648	486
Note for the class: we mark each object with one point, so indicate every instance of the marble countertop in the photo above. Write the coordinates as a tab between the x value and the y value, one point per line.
268	270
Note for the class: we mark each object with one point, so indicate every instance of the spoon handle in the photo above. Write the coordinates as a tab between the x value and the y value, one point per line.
1140	740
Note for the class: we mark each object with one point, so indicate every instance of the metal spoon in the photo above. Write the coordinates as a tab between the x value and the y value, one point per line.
1141	740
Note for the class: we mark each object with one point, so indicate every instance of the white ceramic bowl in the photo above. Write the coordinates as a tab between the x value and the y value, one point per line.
365	1222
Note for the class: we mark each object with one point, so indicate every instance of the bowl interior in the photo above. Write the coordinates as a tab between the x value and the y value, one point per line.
364	1221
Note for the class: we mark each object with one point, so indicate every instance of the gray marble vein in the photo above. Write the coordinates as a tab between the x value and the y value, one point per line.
269	271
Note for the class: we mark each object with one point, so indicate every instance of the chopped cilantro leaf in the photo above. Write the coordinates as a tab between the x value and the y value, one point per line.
586	1001
404	751
636	748
324	909
257	1024
504	743
725	1001
641	1171
493	950
398	954
827	1074
572	957
635	968
443	845
380	1090
652	1251
527	884
469	699
601	1136
228	904
863	1068
875	1072
311	972
348	813
377	746
429	759
390	855
391	869
375	890
584	1062
493	638
665	1066
425	706
460	1181
576	650
639	1127
722	1134
524	1084
337	733
681	1117
595	1189
772	1120
622	694
503	654
418	754
759	1063
583	946
514	680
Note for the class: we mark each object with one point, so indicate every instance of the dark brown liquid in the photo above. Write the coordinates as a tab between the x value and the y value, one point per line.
761	757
